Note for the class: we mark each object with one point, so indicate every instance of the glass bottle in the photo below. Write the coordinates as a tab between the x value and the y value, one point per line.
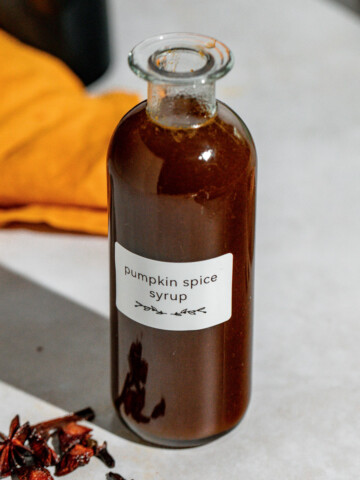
181	177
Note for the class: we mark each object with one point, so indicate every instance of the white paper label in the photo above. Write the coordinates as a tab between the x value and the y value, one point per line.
173	295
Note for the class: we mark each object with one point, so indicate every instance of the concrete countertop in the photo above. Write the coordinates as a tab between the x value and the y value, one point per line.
296	85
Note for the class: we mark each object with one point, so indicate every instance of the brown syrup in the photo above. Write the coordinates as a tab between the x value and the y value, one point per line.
183	195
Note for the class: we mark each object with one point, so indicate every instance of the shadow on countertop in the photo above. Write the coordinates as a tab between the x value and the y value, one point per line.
353	5
56	350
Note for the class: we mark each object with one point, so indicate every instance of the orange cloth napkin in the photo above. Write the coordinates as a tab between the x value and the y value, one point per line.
53	142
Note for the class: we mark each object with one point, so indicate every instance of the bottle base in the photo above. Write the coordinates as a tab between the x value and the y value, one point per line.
173	443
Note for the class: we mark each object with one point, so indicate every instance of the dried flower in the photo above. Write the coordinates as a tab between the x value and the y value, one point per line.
43	453
26	452
71	435
13	452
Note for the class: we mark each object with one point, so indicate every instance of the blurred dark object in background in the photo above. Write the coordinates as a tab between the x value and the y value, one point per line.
354	5
74	30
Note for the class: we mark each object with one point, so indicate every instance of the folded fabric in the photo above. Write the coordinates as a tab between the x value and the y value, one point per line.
53	142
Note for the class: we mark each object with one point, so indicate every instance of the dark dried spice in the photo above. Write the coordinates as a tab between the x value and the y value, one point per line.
31	473
138	366
134	403
78	456
84	414
44	455
133	391
159	409
101	452
13	452
114	476
25	453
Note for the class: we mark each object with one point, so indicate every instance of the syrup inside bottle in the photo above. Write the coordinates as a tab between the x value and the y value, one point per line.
183	193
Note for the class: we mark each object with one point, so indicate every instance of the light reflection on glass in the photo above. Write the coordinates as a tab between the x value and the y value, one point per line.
206	155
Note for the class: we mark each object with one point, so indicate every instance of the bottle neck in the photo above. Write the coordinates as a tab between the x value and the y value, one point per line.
181	106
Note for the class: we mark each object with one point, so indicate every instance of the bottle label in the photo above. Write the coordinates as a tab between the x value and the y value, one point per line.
173	295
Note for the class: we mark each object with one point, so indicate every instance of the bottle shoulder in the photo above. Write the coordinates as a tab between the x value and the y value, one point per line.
181	160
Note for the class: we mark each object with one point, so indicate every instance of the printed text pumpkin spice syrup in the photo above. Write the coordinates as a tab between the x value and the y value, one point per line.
182	206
